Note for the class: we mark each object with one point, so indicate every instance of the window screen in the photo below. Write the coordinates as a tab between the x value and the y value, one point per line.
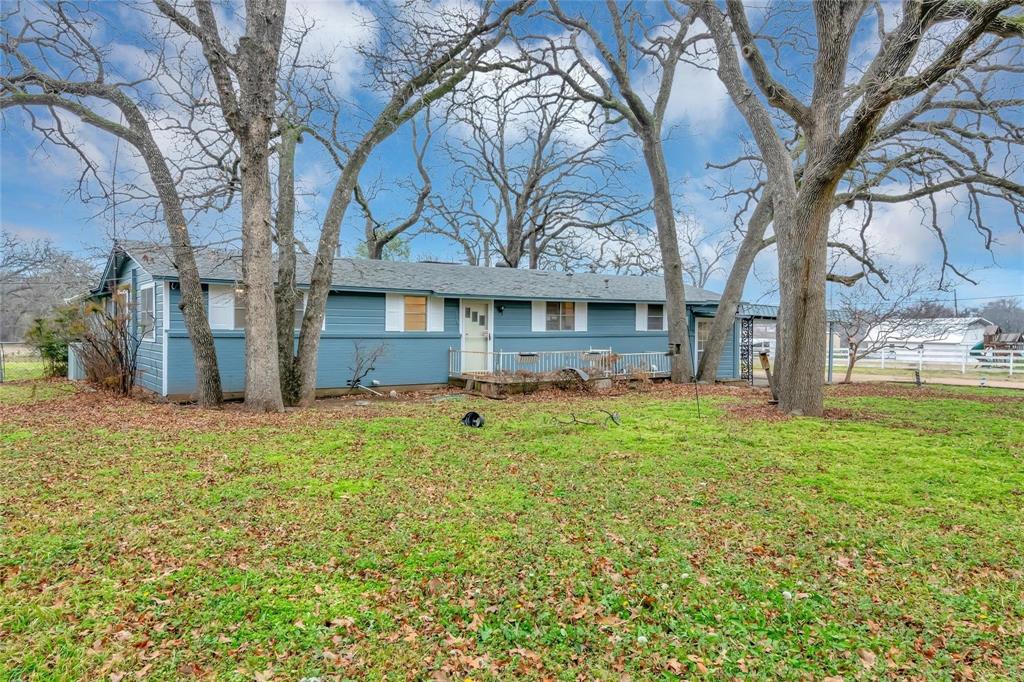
147	314
560	316
655	317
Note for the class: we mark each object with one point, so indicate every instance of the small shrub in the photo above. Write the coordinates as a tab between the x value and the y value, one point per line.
51	336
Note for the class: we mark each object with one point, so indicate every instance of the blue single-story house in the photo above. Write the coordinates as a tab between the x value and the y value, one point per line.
430	321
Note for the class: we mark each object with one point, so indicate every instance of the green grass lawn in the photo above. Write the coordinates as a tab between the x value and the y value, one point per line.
20	368
388	541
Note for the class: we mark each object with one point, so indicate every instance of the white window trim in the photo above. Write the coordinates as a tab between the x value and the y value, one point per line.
151	336
435	314
166	330
305	304
581	312
234	309
641	317
698	322
538	316
228	288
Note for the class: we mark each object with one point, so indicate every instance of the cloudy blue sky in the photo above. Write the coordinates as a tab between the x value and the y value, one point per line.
38	182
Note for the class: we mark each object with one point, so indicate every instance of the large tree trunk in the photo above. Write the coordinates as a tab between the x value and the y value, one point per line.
675	291
256	67
204	354
320	279
534	247
728	304
375	248
512	254
262	378
197	324
286	294
802	327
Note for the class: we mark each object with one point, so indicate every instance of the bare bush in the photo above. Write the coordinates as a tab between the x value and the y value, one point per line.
363	362
109	348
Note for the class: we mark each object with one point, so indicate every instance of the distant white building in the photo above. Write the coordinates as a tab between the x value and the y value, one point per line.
936	334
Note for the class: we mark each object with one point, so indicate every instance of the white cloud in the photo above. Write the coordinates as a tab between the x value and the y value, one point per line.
339	28
698	99
898	233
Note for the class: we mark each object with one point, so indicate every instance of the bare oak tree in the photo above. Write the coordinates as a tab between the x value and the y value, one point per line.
51	63
380	233
35	278
532	168
704	252
422	53
832	129
874	316
246	85
603	73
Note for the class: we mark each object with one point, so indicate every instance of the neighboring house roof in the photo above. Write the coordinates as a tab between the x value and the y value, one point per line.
934	330
440	279
1008	337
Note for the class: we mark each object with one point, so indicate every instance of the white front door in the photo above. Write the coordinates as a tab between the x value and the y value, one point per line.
476	335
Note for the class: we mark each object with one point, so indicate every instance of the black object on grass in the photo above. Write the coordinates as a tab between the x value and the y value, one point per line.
473	419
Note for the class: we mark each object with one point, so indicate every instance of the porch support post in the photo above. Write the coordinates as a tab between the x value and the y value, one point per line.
747	350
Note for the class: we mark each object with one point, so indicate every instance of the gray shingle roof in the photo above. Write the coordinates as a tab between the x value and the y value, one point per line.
437	278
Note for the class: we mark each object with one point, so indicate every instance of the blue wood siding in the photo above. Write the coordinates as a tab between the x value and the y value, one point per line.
150	355
357	319
728	364
353	321
609	325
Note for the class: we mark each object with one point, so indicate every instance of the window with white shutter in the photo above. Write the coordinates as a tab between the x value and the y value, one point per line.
435	314
221	306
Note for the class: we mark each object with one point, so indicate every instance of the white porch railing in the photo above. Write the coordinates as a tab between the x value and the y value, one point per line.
596	362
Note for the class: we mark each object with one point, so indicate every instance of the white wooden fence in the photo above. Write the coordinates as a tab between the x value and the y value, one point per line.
954	359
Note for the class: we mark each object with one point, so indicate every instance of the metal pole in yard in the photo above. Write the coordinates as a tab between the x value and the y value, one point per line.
1012	353
963	360
831	350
